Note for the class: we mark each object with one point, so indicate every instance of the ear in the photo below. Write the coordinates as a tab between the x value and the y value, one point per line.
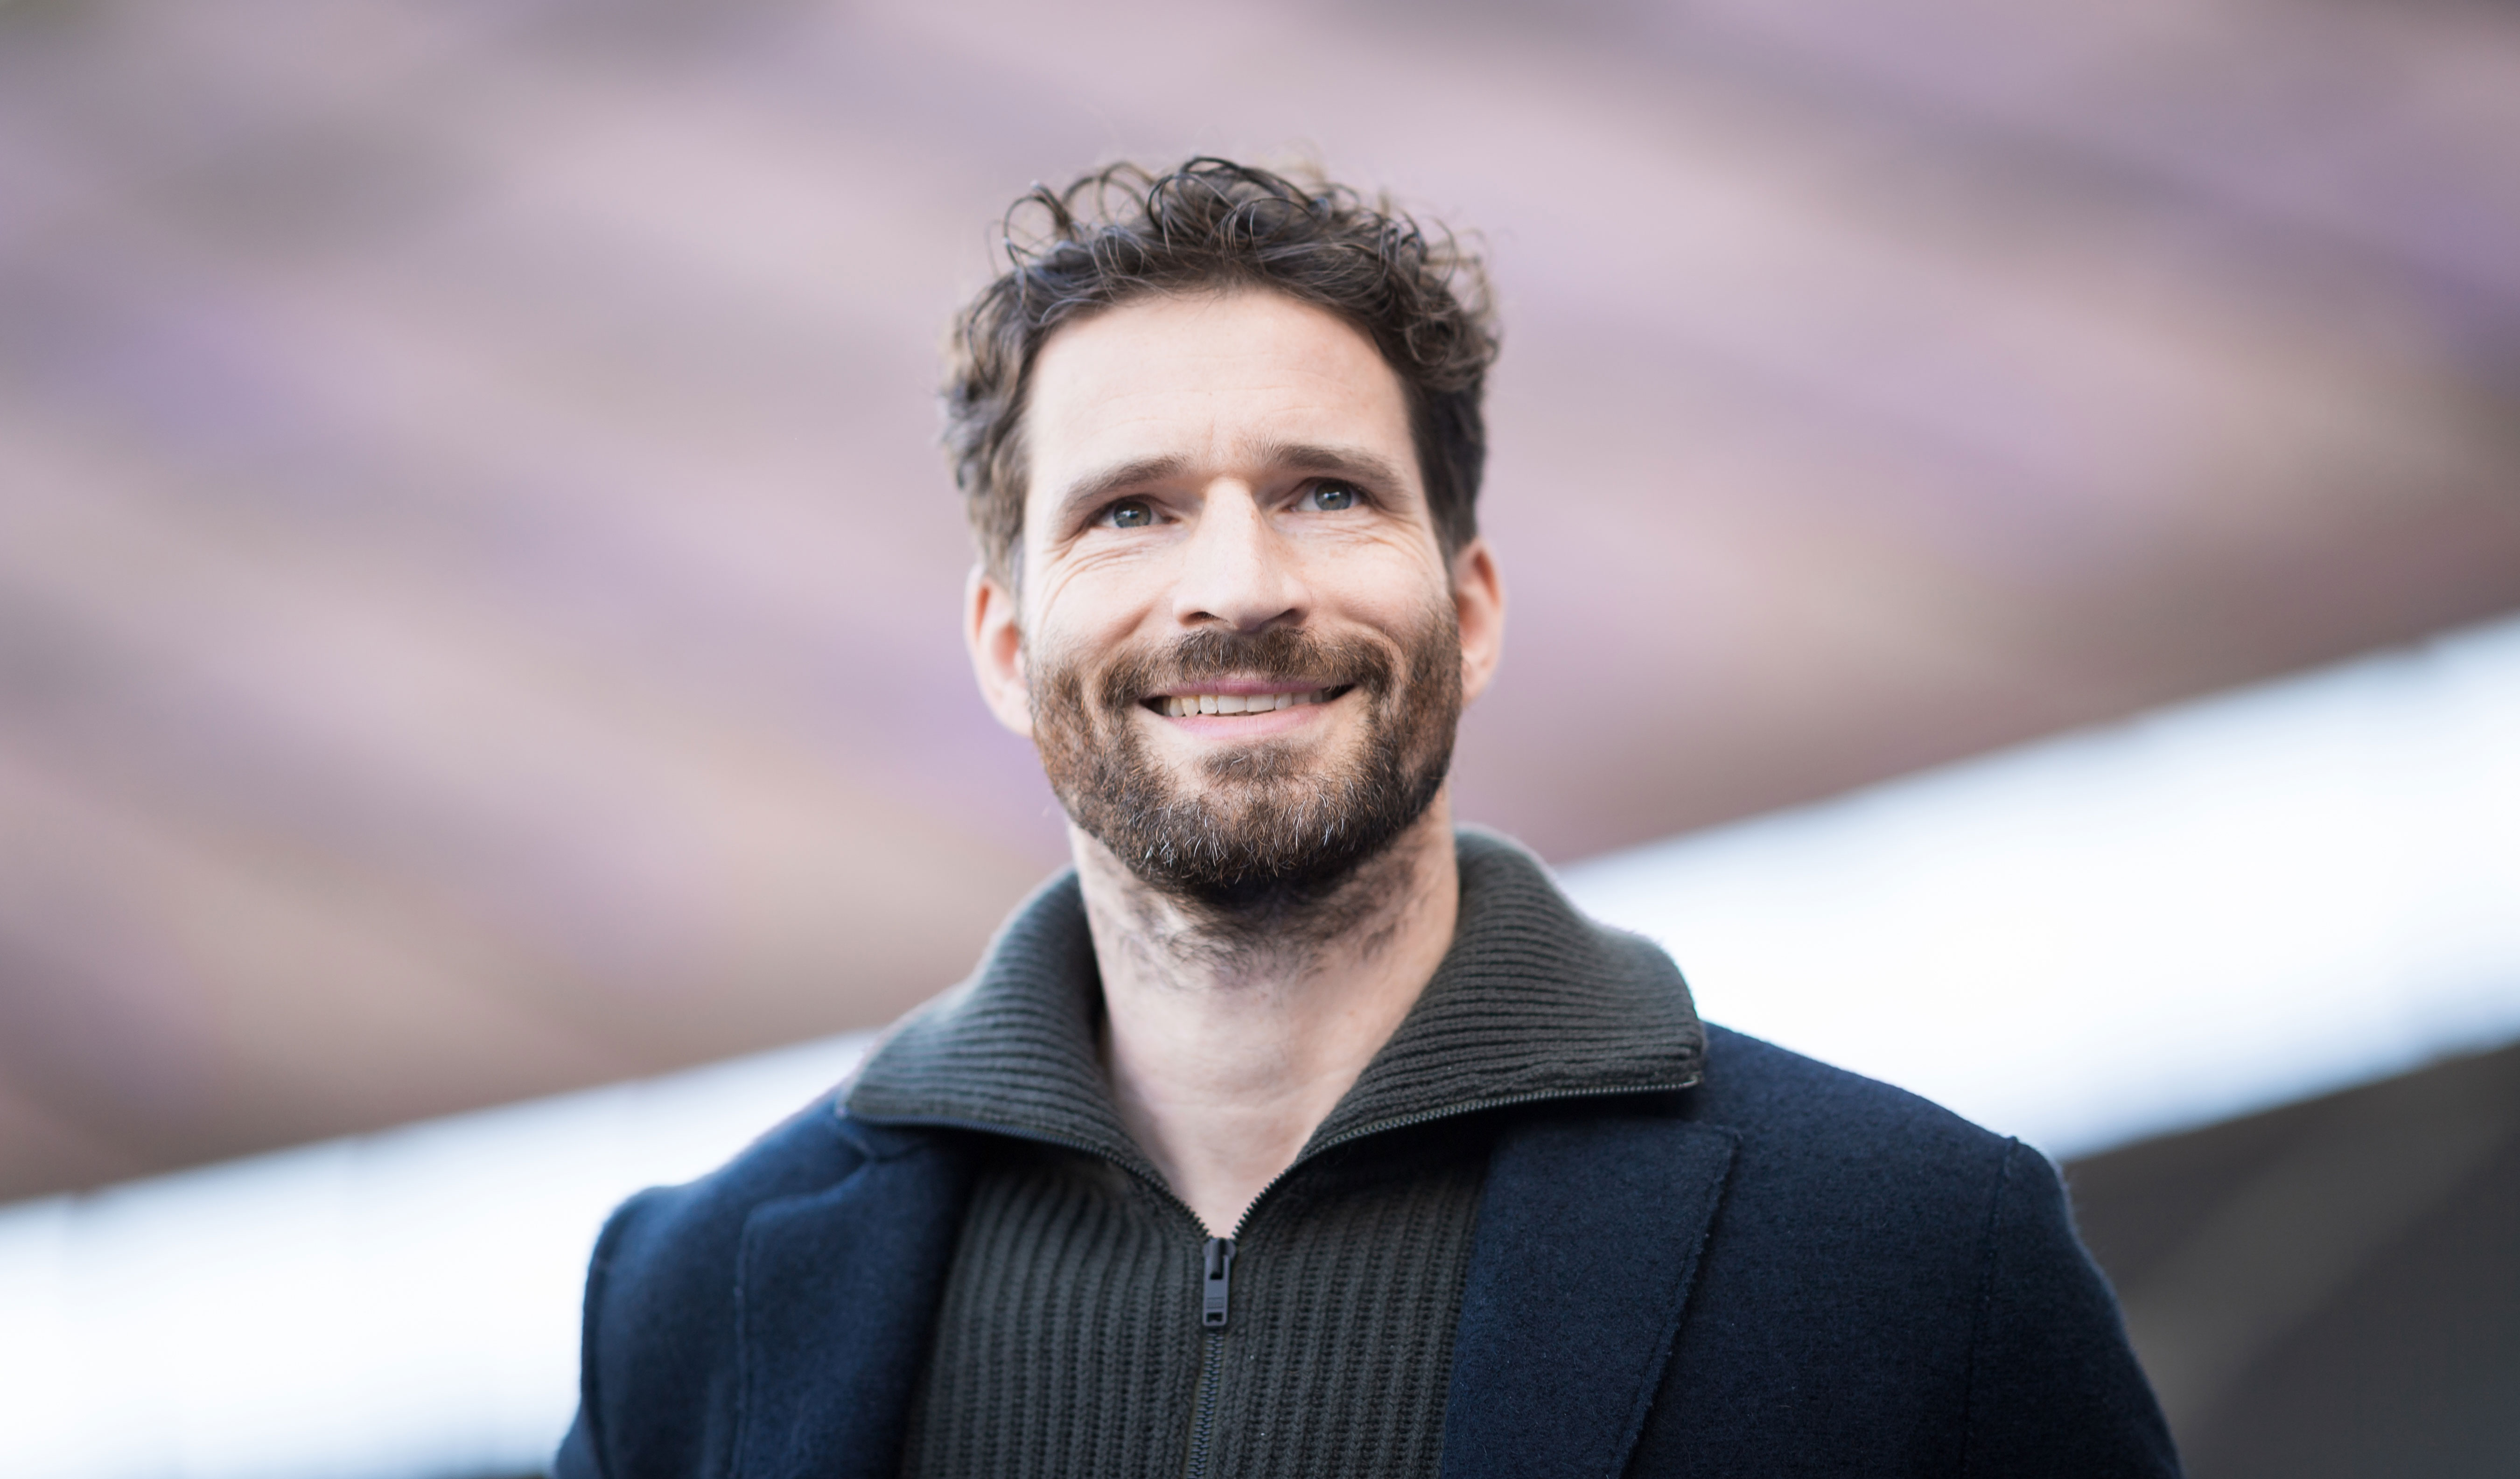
993	629
1478	603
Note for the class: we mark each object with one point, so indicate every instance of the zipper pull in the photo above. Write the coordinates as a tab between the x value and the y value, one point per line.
1220	1281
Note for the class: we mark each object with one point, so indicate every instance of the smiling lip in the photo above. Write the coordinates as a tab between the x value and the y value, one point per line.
1233	699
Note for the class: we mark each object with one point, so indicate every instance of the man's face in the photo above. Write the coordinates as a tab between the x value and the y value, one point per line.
1237	643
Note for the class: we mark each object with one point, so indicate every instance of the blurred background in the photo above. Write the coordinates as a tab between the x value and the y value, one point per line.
2011	509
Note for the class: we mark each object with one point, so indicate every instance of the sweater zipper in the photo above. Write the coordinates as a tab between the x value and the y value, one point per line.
1216	1274
1216	1261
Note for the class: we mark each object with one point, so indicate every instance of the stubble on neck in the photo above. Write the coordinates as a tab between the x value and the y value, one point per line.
1226	1042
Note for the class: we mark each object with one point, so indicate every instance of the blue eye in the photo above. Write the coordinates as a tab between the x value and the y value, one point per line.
1332	497
1131	513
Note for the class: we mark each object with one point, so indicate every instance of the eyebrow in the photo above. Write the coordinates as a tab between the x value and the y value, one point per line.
1300	456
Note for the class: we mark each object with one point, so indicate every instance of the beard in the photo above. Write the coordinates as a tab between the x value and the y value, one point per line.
1272	823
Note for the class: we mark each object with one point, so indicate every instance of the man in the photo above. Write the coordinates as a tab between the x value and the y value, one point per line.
1292	1132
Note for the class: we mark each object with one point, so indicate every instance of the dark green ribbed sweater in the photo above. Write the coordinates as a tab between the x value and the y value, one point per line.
1070	1339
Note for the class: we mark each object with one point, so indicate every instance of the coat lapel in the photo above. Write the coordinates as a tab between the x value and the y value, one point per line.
839	1291
1588	1241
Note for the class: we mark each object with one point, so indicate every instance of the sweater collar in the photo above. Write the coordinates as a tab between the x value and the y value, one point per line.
1533	1000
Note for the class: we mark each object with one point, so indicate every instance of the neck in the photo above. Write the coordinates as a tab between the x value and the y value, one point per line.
1230	1039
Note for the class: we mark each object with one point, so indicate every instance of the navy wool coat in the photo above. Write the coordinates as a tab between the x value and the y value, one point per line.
1786	1271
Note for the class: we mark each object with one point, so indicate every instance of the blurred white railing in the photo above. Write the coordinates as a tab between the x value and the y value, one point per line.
2208	910
402	1304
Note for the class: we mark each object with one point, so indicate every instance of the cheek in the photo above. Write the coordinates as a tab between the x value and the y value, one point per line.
1096	598
1389	582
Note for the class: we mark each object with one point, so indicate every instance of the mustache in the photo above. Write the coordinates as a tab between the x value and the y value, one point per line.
1285	654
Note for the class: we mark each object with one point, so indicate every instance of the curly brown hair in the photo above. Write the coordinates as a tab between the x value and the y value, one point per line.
1124	232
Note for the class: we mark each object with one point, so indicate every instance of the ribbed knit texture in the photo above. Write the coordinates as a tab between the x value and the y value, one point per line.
1341	1353
1069	1340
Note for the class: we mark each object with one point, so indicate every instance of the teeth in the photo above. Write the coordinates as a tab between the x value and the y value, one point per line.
1178	704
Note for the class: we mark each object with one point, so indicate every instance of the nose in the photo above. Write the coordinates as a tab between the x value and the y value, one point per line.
1237	569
